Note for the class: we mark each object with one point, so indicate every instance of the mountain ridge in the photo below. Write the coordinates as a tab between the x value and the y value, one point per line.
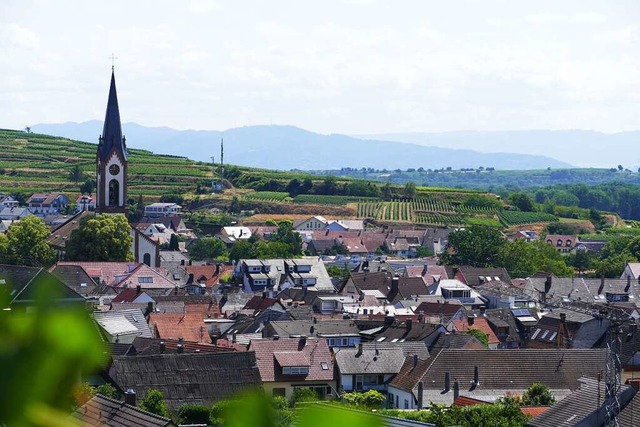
272	146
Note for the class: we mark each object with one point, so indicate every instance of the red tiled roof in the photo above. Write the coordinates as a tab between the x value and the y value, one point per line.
291	358
316	350
533	411
479	323
468	401
429	308
189	325
259	303
127	295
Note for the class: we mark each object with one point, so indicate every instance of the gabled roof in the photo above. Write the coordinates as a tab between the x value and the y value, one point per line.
114	321
316	351
409	348
149	346
104	411
455	340
325	328
189	325
204	378
78	280
582	407
411	373
24	285
352	361
60	235
479	323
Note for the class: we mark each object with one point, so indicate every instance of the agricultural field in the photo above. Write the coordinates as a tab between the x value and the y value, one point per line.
510	218
329	200
268	196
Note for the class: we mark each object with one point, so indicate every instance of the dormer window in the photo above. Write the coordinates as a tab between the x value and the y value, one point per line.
559	242
568	242
295	370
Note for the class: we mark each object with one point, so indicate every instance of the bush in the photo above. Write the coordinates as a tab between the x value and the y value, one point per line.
193	414
304	395
369	399
154	402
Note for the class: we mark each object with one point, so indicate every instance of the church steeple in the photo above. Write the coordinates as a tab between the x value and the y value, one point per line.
112	131
111	160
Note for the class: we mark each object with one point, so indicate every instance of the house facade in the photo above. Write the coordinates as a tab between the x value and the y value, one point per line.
47	203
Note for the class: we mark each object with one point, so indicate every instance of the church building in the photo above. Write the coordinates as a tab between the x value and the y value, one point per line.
111	160
111	178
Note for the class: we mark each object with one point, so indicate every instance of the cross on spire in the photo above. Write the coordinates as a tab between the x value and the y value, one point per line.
113	58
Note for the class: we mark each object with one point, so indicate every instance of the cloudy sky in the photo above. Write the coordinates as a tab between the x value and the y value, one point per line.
343	66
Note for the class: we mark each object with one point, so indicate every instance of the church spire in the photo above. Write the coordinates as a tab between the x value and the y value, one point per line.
112	131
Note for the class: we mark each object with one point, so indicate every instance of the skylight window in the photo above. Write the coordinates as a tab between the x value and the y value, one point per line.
325	366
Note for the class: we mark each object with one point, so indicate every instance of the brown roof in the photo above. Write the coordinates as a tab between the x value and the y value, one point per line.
189	325
59	236
412	371
479	323
103	411
207	273
533	411
315	350
127	295
438	308
187	378
468	401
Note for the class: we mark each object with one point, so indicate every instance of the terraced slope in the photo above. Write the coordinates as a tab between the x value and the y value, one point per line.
33	162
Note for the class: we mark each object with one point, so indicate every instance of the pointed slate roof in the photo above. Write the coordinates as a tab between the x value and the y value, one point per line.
112	131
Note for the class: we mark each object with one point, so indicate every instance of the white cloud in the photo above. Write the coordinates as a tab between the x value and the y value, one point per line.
20	37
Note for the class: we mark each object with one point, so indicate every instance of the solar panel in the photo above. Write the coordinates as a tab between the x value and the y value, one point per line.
520	312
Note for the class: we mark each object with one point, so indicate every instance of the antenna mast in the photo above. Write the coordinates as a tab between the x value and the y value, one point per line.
221	162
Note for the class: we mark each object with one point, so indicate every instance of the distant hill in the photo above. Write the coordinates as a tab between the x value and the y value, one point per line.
288	147
582	148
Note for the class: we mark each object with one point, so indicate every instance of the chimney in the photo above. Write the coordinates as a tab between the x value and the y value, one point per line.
264	294
233	338
454	270
563	317
388	320
626	288
130	397
138	289
394	285
456	389
311	330
470	320
181	262
190	262
180	348
408	325
359	353
149	309
190	279
217	269
421	317
415	360
365	265
601	288
447	381
302	342
420	392
547	285
476	376
162	347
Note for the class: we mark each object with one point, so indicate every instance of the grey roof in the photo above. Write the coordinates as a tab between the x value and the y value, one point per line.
456	341
103	411
277	270
370	361
581	289
325	328
409	348
132	315
24	285
77	279
582	407
204	378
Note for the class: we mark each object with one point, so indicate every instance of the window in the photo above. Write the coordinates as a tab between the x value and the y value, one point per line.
325	366
295	370
397	401
145	279
406	404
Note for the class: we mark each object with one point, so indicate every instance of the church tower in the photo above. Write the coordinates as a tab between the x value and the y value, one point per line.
111	160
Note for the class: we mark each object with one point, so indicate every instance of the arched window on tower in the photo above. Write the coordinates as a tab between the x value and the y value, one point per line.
114	193
147	259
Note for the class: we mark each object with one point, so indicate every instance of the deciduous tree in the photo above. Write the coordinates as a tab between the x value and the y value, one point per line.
101	238
27	243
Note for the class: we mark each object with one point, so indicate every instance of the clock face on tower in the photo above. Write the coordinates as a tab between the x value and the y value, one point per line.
114	169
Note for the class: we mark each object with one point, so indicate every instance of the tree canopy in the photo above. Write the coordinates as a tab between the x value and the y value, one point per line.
477	246
26	243
101	238
207	248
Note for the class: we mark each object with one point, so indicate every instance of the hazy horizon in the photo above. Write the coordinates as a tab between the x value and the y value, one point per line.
341	66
